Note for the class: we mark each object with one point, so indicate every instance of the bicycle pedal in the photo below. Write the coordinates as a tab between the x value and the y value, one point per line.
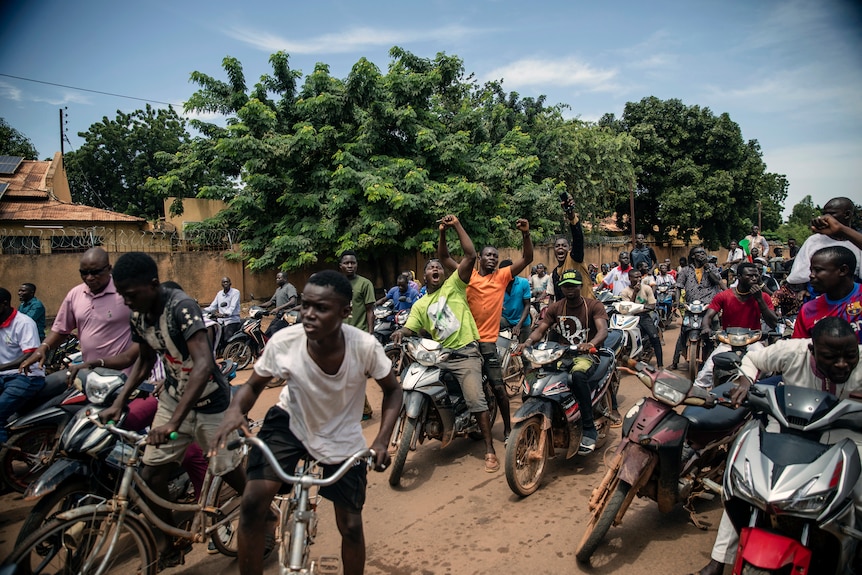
329	565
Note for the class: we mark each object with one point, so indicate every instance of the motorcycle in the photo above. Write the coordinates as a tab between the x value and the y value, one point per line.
626	321
550	418
58	358
691	324
664	305
434	406
790	496
725	363
34	430
387	320
247	343
663	455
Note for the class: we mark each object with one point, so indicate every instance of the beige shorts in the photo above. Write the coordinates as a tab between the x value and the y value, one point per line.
199	427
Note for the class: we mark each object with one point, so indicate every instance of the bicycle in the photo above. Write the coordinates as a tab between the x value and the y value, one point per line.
297	513
114	535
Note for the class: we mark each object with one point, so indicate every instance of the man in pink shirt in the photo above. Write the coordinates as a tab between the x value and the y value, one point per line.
97	312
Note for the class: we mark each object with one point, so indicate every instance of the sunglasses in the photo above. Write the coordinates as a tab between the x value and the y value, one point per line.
85	273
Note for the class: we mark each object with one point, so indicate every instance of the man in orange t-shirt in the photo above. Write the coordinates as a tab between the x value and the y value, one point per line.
485	294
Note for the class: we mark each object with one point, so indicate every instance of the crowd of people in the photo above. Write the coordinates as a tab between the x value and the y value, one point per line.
127	319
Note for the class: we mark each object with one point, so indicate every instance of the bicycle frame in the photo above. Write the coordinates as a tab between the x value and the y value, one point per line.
301	535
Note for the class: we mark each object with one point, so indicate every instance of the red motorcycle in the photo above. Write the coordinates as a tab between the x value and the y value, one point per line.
665	456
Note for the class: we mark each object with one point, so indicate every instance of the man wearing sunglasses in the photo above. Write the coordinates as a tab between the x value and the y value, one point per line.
97	312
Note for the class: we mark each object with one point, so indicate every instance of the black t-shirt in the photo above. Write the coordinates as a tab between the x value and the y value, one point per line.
576	322
179	321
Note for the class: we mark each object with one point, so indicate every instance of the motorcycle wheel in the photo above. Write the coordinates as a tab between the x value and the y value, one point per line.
238	352
694	350
27	456
600	521
409	428
524	466
66	496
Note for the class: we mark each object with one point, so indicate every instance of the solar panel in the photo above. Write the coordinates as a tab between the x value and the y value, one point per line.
3	186
8	164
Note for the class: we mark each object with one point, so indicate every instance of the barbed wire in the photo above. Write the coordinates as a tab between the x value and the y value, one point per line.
80	239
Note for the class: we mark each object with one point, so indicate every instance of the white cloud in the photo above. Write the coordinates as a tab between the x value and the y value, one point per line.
352	40
564	72
10	92
66	98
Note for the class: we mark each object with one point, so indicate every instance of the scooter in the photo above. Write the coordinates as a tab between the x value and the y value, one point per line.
433	405
550	418
691	324
664	456
511	365
247	343
790	496
626	320
664	305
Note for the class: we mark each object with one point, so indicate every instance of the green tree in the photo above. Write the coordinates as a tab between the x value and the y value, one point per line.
14	143
372	161
110	170
798	222
695	174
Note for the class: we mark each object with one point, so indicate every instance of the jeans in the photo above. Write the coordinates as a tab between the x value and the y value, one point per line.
649	328
15	389
582	392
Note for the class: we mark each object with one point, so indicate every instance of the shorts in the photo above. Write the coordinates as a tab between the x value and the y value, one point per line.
196	427
491	363
467	369
348	492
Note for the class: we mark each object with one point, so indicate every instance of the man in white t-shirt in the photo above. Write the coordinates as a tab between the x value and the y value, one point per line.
20	338
325	364
832	228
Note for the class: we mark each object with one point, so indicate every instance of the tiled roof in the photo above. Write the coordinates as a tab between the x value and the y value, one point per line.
54	211
28	181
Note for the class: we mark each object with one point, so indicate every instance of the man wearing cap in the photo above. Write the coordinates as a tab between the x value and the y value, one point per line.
584	323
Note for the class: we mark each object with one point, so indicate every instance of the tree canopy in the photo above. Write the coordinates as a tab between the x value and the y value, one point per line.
695	174
14	143
372	161
111	168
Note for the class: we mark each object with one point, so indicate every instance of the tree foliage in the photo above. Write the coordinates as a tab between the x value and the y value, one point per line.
370	162
110	170
695	174
14	143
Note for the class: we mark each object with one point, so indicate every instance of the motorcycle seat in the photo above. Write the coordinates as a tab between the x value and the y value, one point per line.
601	370
612	341
716	418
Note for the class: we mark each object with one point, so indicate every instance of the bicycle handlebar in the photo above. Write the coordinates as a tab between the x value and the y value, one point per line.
367	454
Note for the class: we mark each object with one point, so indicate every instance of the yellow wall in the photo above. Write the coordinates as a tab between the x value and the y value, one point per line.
194	210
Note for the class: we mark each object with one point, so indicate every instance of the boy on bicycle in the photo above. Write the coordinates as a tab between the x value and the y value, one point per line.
325	364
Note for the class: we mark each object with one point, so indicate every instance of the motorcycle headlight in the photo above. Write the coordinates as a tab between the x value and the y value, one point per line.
809	503
427	355
667	394
743	484
539	356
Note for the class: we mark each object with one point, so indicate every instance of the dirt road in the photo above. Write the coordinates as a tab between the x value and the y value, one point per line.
450	517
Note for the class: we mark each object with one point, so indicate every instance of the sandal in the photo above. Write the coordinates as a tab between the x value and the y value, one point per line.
616	419
492	464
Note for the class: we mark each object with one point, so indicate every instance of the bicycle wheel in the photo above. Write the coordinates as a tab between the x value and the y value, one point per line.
513	376
226	501
80	544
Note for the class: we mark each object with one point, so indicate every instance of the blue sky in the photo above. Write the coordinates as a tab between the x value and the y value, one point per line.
788	72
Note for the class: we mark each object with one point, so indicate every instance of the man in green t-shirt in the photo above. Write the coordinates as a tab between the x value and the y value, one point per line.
361	307
443	312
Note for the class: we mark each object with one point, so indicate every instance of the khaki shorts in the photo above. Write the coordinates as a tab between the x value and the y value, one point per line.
199	427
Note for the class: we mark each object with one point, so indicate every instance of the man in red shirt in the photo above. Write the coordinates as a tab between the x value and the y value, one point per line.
742	306
485	294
